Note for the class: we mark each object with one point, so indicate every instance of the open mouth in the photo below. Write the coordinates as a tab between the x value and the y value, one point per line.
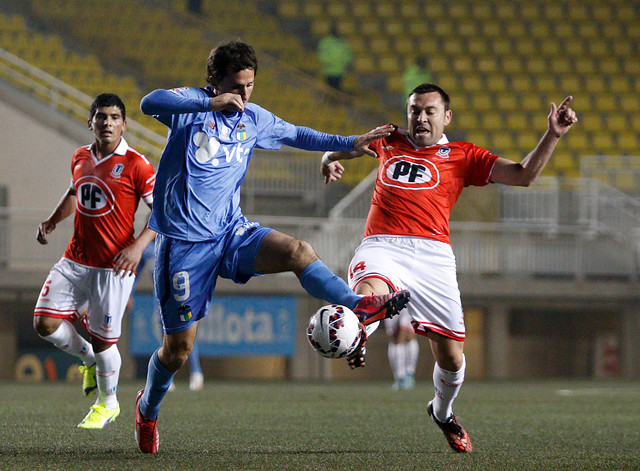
421	131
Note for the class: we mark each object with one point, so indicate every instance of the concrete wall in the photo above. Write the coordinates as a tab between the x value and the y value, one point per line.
37	146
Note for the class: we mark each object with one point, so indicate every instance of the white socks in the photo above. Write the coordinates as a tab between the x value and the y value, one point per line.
411	351
447	385
397	360
67	339
108	364
403	358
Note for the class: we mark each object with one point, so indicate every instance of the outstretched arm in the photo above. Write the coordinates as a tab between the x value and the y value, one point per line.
64	209
332	169
508	172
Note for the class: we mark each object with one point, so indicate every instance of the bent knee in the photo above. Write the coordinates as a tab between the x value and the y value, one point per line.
450	362
300	255
45	326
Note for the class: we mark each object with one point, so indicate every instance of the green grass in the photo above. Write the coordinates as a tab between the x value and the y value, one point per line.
555	425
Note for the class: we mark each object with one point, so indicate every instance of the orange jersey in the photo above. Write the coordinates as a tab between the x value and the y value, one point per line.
416	188
107	195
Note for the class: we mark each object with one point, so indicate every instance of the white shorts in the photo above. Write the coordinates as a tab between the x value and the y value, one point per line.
427	268
71	288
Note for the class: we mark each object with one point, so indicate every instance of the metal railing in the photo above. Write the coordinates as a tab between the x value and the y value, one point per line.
69	100
496	249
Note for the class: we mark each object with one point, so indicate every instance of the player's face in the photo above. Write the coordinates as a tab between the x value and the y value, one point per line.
241	83
426	118
107	125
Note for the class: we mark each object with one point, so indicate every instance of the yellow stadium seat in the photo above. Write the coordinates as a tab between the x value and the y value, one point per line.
610	66
492	28
502	141
403	45
463	64
527	140
288	8
501	46
570	84
467	121
480	11
507	102
617	122
313	9
493	120
473	83
595	84
628	142
592	122
335	9
540	30
631	104
606	103
481	102
497	83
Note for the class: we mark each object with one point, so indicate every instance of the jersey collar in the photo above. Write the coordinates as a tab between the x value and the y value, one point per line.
120	150
443	139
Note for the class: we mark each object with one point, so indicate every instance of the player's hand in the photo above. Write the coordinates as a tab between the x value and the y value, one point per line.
45	227
227	102
561	118
332	172
127	260
361	144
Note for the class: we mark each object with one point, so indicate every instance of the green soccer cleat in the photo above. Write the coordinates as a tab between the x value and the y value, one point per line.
89	382
99	416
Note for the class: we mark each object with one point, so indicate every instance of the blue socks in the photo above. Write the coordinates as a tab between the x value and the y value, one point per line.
158	381
322	283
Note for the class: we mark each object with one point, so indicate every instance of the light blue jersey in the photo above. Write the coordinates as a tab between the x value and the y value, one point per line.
197	190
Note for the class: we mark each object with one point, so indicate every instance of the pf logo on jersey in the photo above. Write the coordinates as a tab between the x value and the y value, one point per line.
410	173
94	197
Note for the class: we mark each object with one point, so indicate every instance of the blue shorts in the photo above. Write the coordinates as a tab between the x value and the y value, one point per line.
186	272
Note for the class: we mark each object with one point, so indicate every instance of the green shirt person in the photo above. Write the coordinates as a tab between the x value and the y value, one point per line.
335	56
414	75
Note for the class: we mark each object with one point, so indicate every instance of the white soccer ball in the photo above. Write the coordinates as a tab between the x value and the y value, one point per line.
334	331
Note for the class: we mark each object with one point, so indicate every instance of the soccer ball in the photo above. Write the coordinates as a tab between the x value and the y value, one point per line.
334	331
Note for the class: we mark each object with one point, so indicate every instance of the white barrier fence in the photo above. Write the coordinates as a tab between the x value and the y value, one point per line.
481	248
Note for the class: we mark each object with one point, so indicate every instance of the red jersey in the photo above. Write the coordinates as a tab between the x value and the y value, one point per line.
107	195
416	188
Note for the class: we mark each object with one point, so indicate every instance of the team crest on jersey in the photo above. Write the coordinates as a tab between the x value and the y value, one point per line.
211	125
94	198
443	152
241	132
117	170
107	320
410	173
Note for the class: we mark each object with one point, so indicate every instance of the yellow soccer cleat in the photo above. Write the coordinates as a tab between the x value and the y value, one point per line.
99	416
89	382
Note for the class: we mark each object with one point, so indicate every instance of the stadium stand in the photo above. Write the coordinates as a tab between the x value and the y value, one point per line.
501	61
505	57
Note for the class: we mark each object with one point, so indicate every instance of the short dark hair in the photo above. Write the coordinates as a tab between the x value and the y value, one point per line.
107	99
429	88
234	54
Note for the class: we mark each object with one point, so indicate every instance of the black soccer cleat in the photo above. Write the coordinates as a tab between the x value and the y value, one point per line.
376	307
456	436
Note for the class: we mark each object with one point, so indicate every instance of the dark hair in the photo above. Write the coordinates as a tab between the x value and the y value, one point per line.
107	99
234	54
429	88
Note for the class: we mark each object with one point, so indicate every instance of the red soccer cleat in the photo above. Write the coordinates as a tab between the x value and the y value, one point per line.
457	437
146	430
380	306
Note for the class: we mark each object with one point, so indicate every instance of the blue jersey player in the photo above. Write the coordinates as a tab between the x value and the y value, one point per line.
202	233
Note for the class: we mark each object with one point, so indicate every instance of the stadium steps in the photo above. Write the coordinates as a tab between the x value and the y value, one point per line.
503	57
168	48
